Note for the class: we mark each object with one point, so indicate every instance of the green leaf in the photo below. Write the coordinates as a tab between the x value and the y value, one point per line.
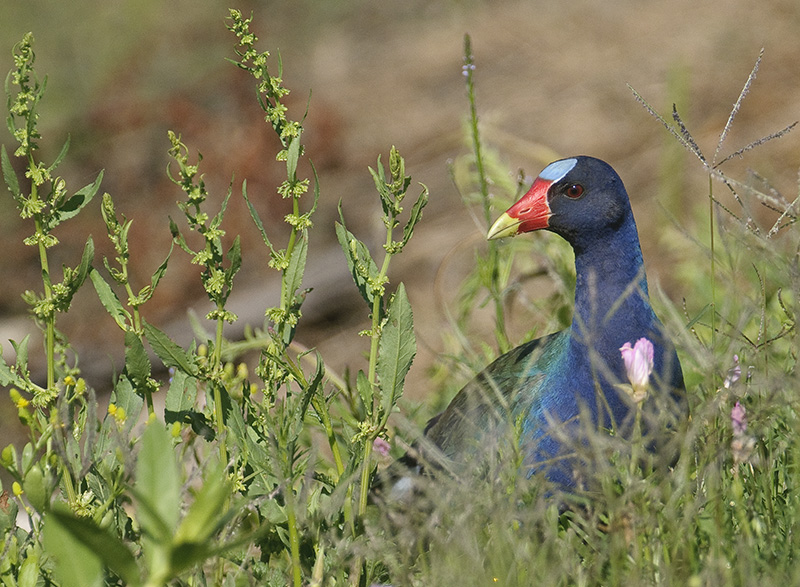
102	545
35	486
61	155
168	351
109	299
76	203
397	349
359	260
21	350
293	277
254	215
86	260
235	258
158	484
126	398
292	156
292	280
7	376
156	278
8	516
217	220
76	564
379	177
416	215
177	237
365	392
182	392
308	394
199	422
137	364
9	175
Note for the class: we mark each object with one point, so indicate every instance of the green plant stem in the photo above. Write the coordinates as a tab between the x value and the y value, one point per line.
494	289
713	262
50	321
294	538
372	376
636	439
325	417
365	468
216	367
68	485
137	321
376	318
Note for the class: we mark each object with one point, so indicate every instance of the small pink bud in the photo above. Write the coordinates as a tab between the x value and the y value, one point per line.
734	373
638	361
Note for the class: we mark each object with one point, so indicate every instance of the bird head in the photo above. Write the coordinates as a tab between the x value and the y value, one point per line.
577	198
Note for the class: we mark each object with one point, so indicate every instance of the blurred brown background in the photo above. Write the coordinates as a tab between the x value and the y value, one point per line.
551	81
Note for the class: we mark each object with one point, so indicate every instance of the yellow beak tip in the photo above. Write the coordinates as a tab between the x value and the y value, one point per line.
504	226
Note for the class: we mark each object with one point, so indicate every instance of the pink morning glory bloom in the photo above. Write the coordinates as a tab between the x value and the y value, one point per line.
638	361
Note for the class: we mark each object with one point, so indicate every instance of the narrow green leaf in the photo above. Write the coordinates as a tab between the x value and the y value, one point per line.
61	155
109	299
103	545
177	237
308	394
158	484
316	189
86	263
293	277
77	202
397	349
158	274
168	351
9	175
254	215
217	220
359	260
416	215
379	178
365	392
235	258
292	156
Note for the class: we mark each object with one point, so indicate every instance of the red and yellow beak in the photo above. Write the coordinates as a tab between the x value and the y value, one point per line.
531	212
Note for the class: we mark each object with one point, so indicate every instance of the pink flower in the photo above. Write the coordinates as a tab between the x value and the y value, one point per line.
380	446
739	419
638	361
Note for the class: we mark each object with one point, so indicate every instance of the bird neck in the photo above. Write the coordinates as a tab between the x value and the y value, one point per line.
611	299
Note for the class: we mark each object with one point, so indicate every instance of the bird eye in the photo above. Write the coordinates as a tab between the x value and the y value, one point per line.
574	191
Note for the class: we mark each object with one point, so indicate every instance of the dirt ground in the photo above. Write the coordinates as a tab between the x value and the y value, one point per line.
551	81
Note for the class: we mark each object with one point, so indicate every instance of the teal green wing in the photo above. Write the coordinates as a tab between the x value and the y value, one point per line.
508	388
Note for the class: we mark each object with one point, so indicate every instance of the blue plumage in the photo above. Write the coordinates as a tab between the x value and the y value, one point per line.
545	386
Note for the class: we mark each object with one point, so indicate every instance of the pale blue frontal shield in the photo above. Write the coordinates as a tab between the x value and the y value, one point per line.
558	169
